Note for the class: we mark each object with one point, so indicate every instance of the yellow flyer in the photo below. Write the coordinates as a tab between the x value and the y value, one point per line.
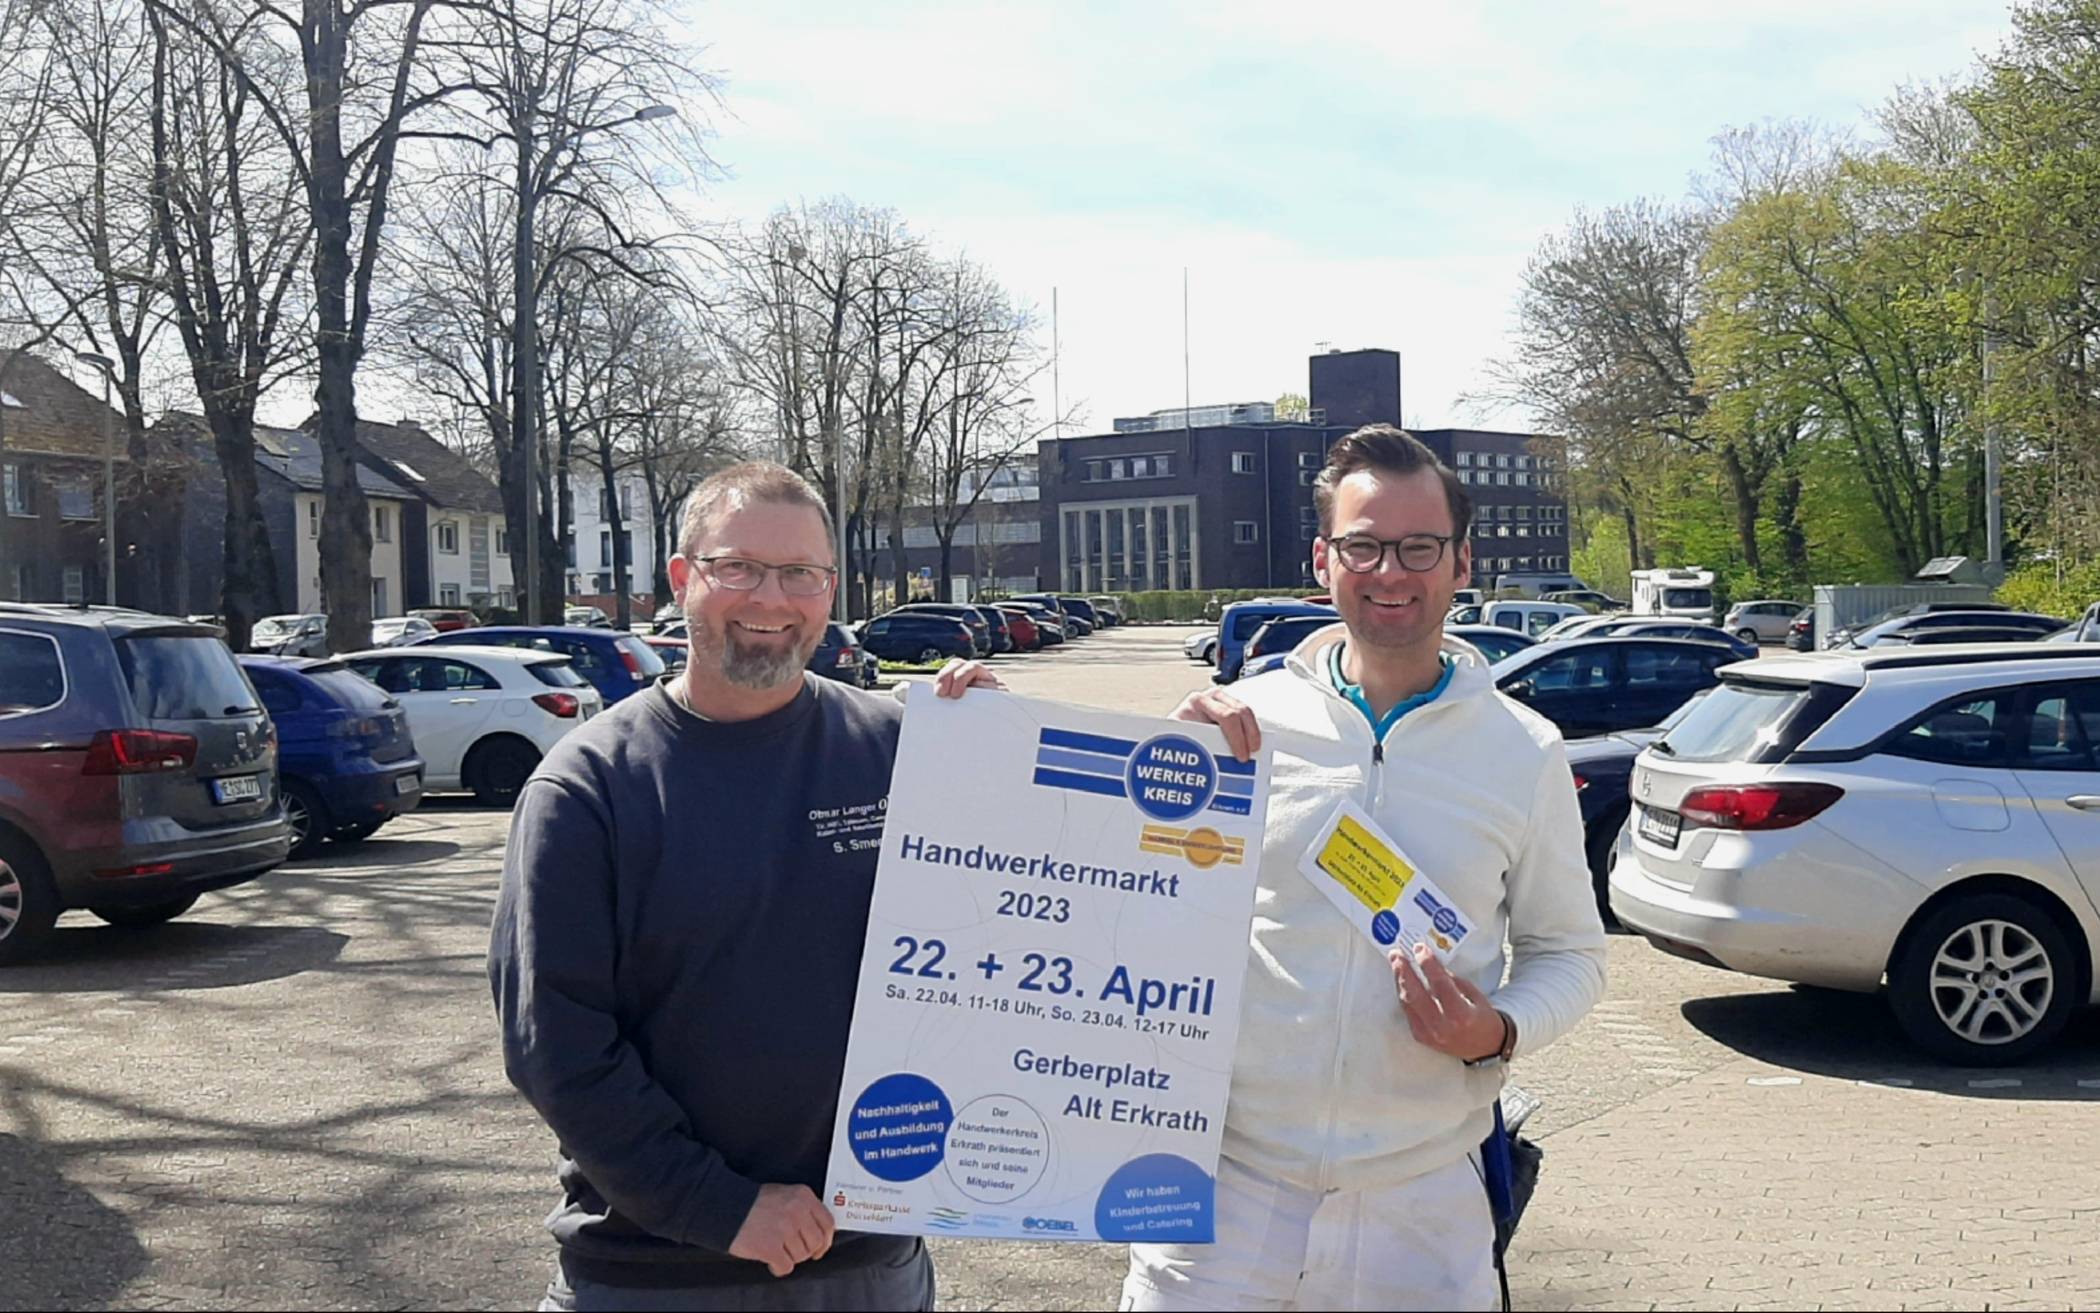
1373	883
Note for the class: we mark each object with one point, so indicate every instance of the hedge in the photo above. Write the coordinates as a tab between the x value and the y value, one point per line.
1188	605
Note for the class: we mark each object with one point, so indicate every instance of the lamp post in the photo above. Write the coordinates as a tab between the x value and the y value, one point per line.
525	338
839	606
107	368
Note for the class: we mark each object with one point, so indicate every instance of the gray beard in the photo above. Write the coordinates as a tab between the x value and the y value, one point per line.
745	666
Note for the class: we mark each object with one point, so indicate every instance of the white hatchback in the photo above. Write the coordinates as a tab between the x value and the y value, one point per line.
482	716
1931	819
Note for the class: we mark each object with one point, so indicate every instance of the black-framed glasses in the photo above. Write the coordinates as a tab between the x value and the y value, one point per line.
1360	553
742	574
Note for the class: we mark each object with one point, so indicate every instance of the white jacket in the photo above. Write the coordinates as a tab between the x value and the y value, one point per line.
1329	1088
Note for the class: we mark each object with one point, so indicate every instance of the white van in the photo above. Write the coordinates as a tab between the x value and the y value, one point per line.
1683	593
1531	585
1528	618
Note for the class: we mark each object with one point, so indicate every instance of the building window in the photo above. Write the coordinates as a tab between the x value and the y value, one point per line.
502	544
382	526
1523	512
1465	460
1243	462
448	594
76	499
17	490
448	537
1306	477
506	598
1245	531
569	555
1309	460
1094	469
313	518
605	546
1502	460
23	577
379	607
75	585
1523	462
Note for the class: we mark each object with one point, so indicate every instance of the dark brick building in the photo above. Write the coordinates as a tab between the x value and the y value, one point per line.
1230	506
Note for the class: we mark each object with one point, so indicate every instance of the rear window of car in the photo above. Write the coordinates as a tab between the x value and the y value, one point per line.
31	674
179	677
652	665
1737	722
351	689
557	674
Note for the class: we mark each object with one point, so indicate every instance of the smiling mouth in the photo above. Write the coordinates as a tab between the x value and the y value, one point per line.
1395	605
750	628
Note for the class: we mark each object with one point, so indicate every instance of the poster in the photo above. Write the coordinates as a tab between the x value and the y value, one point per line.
1050	993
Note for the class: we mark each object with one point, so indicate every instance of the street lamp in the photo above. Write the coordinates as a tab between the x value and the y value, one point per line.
107	368
525	338
839	606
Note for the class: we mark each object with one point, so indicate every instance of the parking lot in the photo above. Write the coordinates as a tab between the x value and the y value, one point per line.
292	1098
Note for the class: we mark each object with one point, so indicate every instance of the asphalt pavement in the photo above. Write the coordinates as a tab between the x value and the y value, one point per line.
292	1098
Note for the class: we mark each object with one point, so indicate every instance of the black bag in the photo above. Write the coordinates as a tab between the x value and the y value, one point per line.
1510	1169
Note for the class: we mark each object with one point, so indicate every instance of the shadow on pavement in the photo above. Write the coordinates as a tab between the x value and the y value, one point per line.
64	1247
85	957
1853	1036
377	851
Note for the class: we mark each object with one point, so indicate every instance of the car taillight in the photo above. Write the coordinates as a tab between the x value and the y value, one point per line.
1581	784
848	657
564	705
1757	806
367	727
634	667
138	752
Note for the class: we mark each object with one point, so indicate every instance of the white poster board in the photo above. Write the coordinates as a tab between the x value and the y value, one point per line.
1049	997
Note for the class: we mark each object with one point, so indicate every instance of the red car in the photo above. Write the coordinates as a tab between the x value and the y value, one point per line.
446	619
1027	638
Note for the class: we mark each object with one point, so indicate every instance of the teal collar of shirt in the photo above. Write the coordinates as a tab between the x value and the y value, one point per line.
1380	725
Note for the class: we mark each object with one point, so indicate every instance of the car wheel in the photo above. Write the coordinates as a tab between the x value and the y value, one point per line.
1210	655
1985	980
1597	846
497	770
929	656
307	815
28	899
146	914
1748	636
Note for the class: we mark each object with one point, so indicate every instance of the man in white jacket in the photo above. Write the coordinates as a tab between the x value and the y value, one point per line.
1366	1081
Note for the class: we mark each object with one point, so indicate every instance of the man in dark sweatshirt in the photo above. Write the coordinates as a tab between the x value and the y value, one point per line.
678	939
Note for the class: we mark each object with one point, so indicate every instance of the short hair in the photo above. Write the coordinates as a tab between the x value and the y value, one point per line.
1392	451
751	482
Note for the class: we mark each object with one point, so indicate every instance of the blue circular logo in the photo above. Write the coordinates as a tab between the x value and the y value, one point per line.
899	1127
1171	778
1161	1197
1385	927
1446	920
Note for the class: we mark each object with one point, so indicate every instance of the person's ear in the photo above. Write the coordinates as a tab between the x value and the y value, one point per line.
1320	555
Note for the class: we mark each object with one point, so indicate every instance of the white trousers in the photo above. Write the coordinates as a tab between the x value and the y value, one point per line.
1427	1243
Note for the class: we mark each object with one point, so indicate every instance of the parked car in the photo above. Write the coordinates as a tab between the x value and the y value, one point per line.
346	760
1528	618
995	620
586	617
922	636
1578	626
2086	629
1027	635
1843	633
1049	625
615	664
1240	622
838	656
668	613
1760	622
1695	630
1078	616
1083	610
671	651
290	635
1926	818
1801	631
1589	599
1996	618
396	631
675	629
980	628
1110	609
446	619
1493	641
1278	638
1603	768
482	715
1952	635
1202	646
1602	685
137	770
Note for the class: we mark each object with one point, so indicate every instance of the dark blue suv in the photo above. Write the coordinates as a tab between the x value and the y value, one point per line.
346	763
616	664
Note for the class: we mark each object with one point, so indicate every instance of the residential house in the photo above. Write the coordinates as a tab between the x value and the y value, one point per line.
590	546
455	545
52	436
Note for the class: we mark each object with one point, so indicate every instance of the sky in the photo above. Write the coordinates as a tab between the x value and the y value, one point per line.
1347	174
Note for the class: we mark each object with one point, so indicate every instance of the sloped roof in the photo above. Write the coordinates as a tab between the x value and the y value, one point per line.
429	468
296	454
46	413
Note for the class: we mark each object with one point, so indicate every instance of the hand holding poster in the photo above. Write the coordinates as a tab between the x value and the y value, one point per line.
1049	997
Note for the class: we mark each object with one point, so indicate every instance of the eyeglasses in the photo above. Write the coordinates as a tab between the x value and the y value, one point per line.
1360	553
741	574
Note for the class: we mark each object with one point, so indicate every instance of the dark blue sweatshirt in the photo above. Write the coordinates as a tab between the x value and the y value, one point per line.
674	958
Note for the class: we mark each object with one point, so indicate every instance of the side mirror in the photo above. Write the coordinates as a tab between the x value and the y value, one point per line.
1521	690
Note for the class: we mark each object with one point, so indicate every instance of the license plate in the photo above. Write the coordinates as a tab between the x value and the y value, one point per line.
1660	827
237	788
404	784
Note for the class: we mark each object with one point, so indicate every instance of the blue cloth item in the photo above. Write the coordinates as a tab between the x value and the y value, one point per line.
1380	725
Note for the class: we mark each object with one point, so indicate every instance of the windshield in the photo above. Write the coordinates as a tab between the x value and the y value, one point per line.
1733	722
184	678
351	689
1688	597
